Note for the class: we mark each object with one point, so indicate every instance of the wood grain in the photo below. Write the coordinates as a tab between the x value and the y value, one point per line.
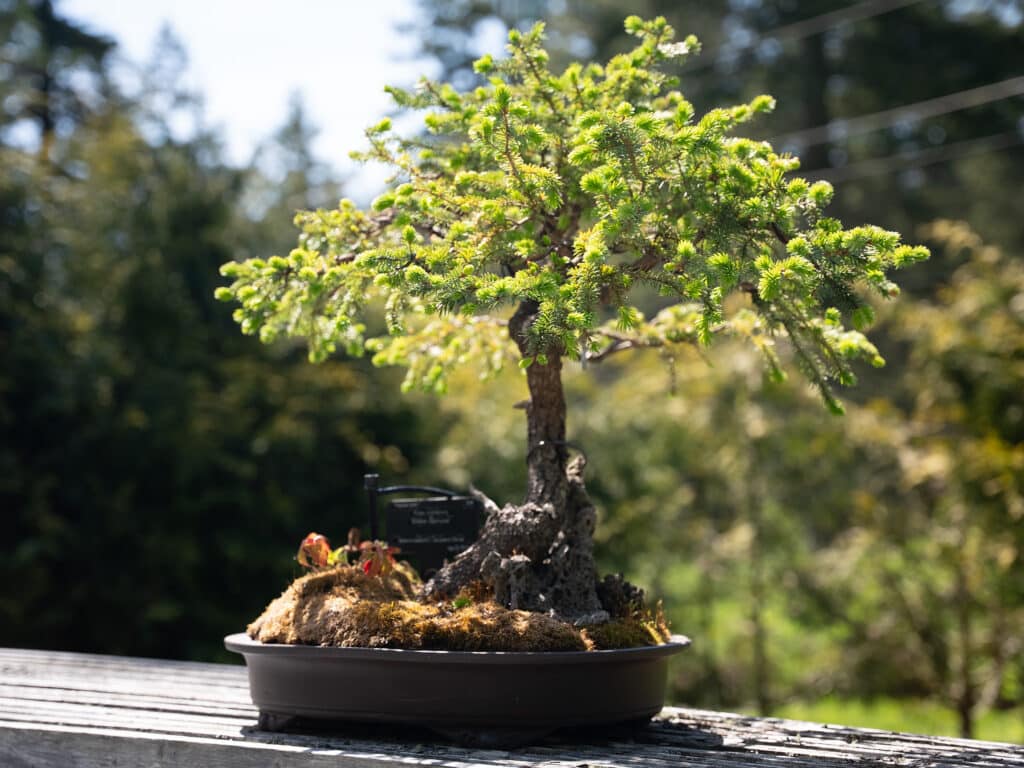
65	709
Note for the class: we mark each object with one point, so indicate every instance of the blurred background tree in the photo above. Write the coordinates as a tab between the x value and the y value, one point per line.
156	468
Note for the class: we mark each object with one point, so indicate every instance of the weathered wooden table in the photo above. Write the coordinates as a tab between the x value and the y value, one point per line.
70	709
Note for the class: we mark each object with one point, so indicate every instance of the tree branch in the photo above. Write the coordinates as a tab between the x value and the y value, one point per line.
782	236
648	260
619	343
543	87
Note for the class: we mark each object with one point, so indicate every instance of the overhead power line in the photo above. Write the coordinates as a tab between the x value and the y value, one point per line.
814	25
817	24
904	161
919	110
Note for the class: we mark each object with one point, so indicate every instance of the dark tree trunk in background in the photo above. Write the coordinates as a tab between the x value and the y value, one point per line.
965	698
815	74
758	596
538	556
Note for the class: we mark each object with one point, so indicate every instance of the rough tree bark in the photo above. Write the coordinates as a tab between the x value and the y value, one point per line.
538	556
545	418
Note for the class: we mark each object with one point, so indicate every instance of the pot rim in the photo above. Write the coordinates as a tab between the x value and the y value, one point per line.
240	642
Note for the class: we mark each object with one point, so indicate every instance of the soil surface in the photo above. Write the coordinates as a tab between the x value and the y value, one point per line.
343	606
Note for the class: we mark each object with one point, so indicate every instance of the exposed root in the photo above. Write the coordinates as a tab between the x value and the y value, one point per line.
534	557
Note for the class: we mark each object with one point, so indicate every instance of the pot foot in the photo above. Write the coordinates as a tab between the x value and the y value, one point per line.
276	723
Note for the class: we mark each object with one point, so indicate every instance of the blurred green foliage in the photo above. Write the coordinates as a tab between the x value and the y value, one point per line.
155	468
911	715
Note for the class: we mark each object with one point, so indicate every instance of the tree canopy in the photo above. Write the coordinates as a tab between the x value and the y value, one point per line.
568	192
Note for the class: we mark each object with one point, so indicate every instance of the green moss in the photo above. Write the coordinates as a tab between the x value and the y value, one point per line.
640	628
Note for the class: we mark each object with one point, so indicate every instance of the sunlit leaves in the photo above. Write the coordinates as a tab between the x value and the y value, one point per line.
430	349
567	190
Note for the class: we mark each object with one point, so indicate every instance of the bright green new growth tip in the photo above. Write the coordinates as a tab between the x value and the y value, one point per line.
568	191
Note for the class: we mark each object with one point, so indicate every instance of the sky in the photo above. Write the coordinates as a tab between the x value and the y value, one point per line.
248	57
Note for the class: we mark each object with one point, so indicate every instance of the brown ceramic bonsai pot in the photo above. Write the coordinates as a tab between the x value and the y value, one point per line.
483	698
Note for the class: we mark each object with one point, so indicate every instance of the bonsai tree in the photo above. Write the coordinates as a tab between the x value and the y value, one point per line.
521	224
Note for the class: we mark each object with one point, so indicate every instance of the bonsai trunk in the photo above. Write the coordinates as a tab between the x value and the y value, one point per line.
538	556
545	419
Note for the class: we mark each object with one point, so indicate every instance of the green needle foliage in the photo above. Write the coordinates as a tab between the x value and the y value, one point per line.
568	192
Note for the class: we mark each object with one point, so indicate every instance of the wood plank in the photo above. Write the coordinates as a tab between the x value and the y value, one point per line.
42	706
130	720
86	710
235	684
209	674
146	700
125	685
32	747
77	659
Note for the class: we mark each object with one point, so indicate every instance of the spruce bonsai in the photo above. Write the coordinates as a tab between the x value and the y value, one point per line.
520	225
